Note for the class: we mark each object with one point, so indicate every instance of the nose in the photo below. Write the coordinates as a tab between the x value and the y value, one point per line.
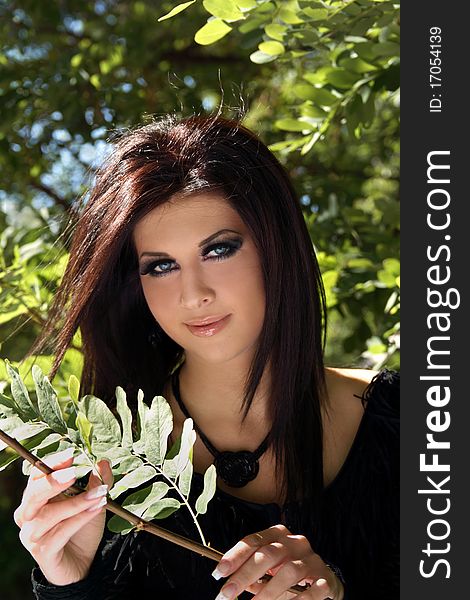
194	291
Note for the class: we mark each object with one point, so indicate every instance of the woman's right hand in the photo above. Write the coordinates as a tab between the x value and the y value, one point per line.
63	533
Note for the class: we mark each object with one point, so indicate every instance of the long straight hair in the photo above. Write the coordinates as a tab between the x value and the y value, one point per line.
101	292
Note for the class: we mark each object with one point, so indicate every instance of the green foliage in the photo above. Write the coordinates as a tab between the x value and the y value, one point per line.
96	433
347	52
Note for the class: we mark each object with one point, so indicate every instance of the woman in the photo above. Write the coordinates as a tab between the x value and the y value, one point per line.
192	275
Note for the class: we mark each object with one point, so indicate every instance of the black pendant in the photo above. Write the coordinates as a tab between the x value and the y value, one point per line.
236	469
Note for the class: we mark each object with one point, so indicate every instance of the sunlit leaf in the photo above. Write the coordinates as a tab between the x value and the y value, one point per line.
132	480
212	32
176	10
125	415
158	426
48	404
210	480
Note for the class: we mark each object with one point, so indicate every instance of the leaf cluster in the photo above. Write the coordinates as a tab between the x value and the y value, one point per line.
138	455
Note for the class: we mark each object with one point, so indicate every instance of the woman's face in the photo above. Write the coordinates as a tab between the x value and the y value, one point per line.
198	261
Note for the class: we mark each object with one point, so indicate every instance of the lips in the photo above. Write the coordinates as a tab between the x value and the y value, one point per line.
208	328
206	320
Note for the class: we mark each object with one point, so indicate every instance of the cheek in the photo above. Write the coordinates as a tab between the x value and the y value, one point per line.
160	299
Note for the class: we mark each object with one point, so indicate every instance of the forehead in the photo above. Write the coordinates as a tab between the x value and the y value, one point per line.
187	218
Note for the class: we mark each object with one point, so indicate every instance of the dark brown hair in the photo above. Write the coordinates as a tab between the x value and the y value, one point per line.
101	292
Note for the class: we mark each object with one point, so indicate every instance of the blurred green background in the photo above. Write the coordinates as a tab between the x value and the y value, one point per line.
317	80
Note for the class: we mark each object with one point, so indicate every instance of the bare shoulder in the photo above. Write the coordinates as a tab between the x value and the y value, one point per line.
345	388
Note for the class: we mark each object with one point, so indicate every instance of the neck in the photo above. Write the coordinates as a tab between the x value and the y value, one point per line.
215	392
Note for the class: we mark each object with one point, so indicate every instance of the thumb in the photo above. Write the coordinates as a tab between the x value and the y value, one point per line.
102	474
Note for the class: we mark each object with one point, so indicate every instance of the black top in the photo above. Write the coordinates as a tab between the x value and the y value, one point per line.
357	529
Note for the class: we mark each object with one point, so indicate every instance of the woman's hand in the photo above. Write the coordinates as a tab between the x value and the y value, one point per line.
63	533
288	558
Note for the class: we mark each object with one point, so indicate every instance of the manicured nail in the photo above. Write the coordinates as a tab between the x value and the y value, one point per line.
64	475
227	592
97	492
320	582
97	506
221	570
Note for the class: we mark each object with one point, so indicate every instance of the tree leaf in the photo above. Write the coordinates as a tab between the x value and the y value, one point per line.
20	393
106	432
48	404
188	437
142	410
8	455
85	428
158	426
132	480
210	479
74	389
272	48
223	9
125	416
117	524
161	509
138	502
176	10
276	31
212	32
260	58
185	479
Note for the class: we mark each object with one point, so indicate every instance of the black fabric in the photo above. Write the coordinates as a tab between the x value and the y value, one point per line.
357	529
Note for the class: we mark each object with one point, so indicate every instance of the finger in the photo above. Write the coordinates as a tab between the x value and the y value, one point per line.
236	556
102	475
263	559
58	460
39	492
52	514
320	590
290	573
54	541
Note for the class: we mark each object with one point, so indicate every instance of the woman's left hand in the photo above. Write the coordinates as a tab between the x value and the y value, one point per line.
288	558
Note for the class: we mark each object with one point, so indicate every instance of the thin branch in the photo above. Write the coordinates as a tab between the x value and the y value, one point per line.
139	524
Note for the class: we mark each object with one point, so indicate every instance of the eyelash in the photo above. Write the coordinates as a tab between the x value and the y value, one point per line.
231	246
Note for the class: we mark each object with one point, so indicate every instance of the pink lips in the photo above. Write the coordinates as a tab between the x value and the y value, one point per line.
208	329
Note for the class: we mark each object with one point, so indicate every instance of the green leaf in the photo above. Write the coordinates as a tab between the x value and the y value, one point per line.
106	432
132	480
292	125
74	389
176	10
117	524
316	14
20	393
223	9
158	426
272	48
8	407
212	32
341	78
210	480
246	4
318	95
127	464
125	415
289	16
161	509
85	428
138	502
185	479
48	404
260	58
142	411
188	438
276	31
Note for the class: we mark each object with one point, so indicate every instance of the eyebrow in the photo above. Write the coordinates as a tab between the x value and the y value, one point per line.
203	243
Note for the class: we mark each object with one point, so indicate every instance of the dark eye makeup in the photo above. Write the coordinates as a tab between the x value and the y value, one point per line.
164	266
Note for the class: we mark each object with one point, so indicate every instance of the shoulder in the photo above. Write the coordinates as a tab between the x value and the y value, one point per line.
356	389
350	394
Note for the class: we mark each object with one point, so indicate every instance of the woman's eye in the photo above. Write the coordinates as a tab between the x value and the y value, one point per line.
222	250
157	269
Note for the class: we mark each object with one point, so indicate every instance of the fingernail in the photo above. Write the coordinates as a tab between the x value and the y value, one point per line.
320	582
97	492
221	570
98	505
64	475
227	592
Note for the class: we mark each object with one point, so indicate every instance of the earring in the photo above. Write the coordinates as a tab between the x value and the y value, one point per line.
155	336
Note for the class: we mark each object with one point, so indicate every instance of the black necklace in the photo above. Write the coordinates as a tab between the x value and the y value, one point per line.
236	469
